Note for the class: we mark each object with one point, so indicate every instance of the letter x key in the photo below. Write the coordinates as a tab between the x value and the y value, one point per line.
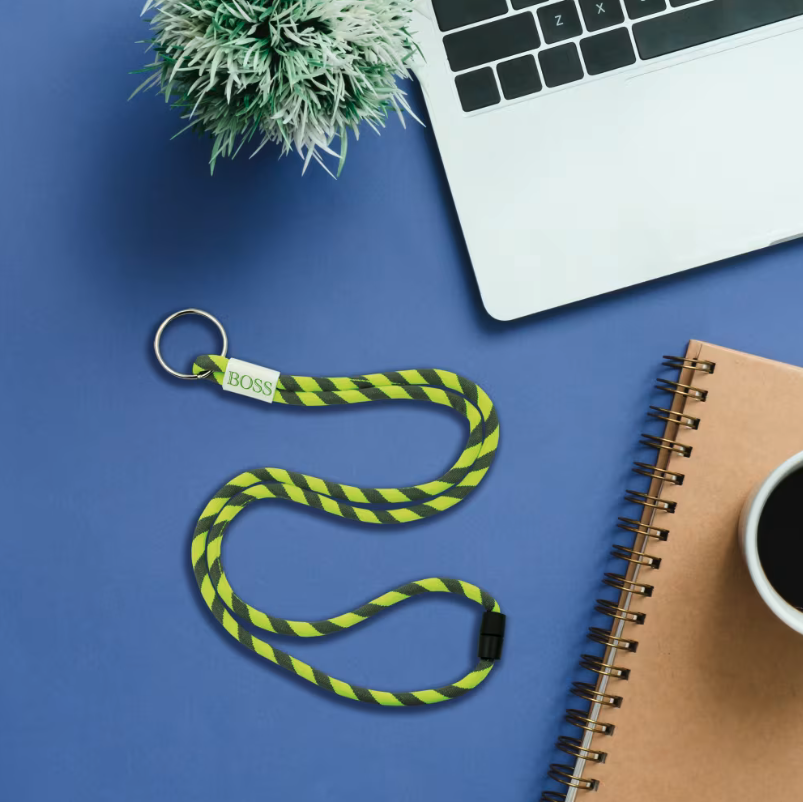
600	14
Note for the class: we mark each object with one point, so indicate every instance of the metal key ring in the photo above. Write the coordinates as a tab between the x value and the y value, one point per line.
174	316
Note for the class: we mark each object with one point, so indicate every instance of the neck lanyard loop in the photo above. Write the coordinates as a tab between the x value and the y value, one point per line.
354	503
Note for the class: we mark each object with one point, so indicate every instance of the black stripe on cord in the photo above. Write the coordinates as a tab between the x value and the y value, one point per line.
240	608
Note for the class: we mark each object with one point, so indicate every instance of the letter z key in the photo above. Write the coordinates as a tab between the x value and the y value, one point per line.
560	21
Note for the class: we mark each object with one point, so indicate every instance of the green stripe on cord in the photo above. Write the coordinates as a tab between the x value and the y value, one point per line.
411	504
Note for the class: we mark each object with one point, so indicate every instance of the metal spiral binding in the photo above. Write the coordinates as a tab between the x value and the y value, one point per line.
619	582
636	557
652	472
681	363
685	390
613	610
581	720
630	525
665	444
574	747
605	638
589	692
561	773
630	586
654	502
592	663
670	416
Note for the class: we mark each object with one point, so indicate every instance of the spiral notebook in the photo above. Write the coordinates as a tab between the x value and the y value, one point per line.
695	691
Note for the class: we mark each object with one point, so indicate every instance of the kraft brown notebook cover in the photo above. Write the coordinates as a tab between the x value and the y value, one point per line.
713	706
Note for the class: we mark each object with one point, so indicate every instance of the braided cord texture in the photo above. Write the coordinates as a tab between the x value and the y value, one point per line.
410	504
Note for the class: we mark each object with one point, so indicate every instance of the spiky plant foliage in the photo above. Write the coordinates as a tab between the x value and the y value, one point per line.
299	73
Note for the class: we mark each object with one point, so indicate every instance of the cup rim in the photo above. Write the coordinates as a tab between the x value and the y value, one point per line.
790	615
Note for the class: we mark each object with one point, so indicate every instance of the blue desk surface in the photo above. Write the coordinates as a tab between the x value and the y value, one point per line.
115	681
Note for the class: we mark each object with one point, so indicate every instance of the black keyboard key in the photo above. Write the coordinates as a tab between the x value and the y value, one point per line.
477	89
490	42
519	77
608	51
561	65
677	3
457	13
600	14
697	25
636	9
560	21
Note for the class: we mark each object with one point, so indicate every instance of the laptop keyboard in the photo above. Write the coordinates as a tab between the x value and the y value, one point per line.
510	51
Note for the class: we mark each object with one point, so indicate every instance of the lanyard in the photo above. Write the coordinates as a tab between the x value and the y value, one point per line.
367	504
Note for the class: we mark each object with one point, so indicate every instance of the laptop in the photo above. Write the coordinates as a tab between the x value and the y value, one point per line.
594	144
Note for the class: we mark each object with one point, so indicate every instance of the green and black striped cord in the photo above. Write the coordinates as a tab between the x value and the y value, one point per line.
411	504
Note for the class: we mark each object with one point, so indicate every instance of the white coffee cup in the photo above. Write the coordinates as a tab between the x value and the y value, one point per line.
748	534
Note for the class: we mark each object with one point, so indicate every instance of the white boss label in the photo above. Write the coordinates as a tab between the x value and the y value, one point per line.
254	381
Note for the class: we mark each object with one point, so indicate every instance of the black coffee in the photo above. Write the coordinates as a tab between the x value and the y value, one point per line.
780	539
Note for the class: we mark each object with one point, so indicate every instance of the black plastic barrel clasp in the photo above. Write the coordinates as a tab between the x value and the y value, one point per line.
492	636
